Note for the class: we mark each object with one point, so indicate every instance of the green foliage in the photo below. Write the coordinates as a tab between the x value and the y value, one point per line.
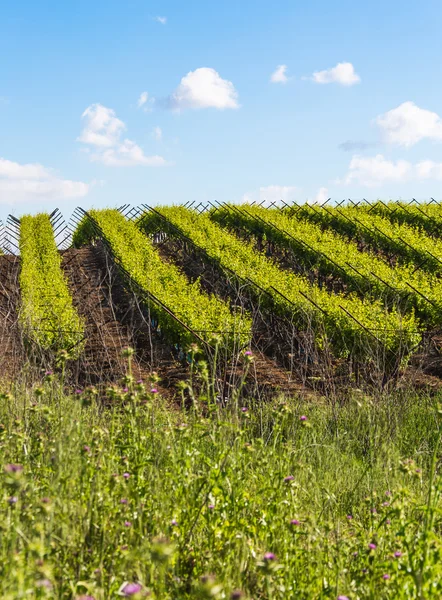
321	312
408	243
344	501
47	315
204	314
334	255
427	217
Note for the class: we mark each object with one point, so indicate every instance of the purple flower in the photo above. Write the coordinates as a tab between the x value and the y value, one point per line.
388	521
45	500
418	470
13	468
343	598
295	522
85	597
385	504
44	583
349	517
154	391
244	409
386	576
139	381
86	448
174	523
123	501
269	556
126	475
127	524
373	511
303	418
125	389
372	546
78	392
12	500
355	554
388	493
130	589
236	595
248	353
211	506
48	373
289	478
397	554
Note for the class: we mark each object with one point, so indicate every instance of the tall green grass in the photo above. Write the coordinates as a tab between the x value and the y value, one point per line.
285	499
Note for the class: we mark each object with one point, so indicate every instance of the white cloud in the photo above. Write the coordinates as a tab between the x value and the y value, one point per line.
157	133
127	154
162	20
377	170
25	182
272	193
322	195
279	75
144	96
103	132
343	73
102	127
204	88
408	124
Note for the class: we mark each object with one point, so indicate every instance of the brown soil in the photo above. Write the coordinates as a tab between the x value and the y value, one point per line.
113	321
10	339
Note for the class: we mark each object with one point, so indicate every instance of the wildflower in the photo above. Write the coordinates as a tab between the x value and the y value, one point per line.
372	546
349	517
397	554
373	511
86	448
388	522
13	468
127	524
139	381
49	373
128	351
44	583
386	576
343	598
124	547
45	500
385	504
123	501
130	589
211	506
154	391
126	475
236	595
388	493
295	522
78	392
355	554
244	409
84	597
174	523
288	478
303	418
12	500
268	556
125	390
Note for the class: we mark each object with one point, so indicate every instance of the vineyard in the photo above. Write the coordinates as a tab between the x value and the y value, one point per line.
301	298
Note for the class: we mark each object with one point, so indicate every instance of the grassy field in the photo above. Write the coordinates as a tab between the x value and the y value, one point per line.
276	500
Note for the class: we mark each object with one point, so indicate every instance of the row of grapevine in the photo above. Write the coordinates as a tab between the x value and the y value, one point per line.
334	255
352	325
196	311
406	242
47	314
427	217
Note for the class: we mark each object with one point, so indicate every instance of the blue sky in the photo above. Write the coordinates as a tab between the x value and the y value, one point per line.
353	111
